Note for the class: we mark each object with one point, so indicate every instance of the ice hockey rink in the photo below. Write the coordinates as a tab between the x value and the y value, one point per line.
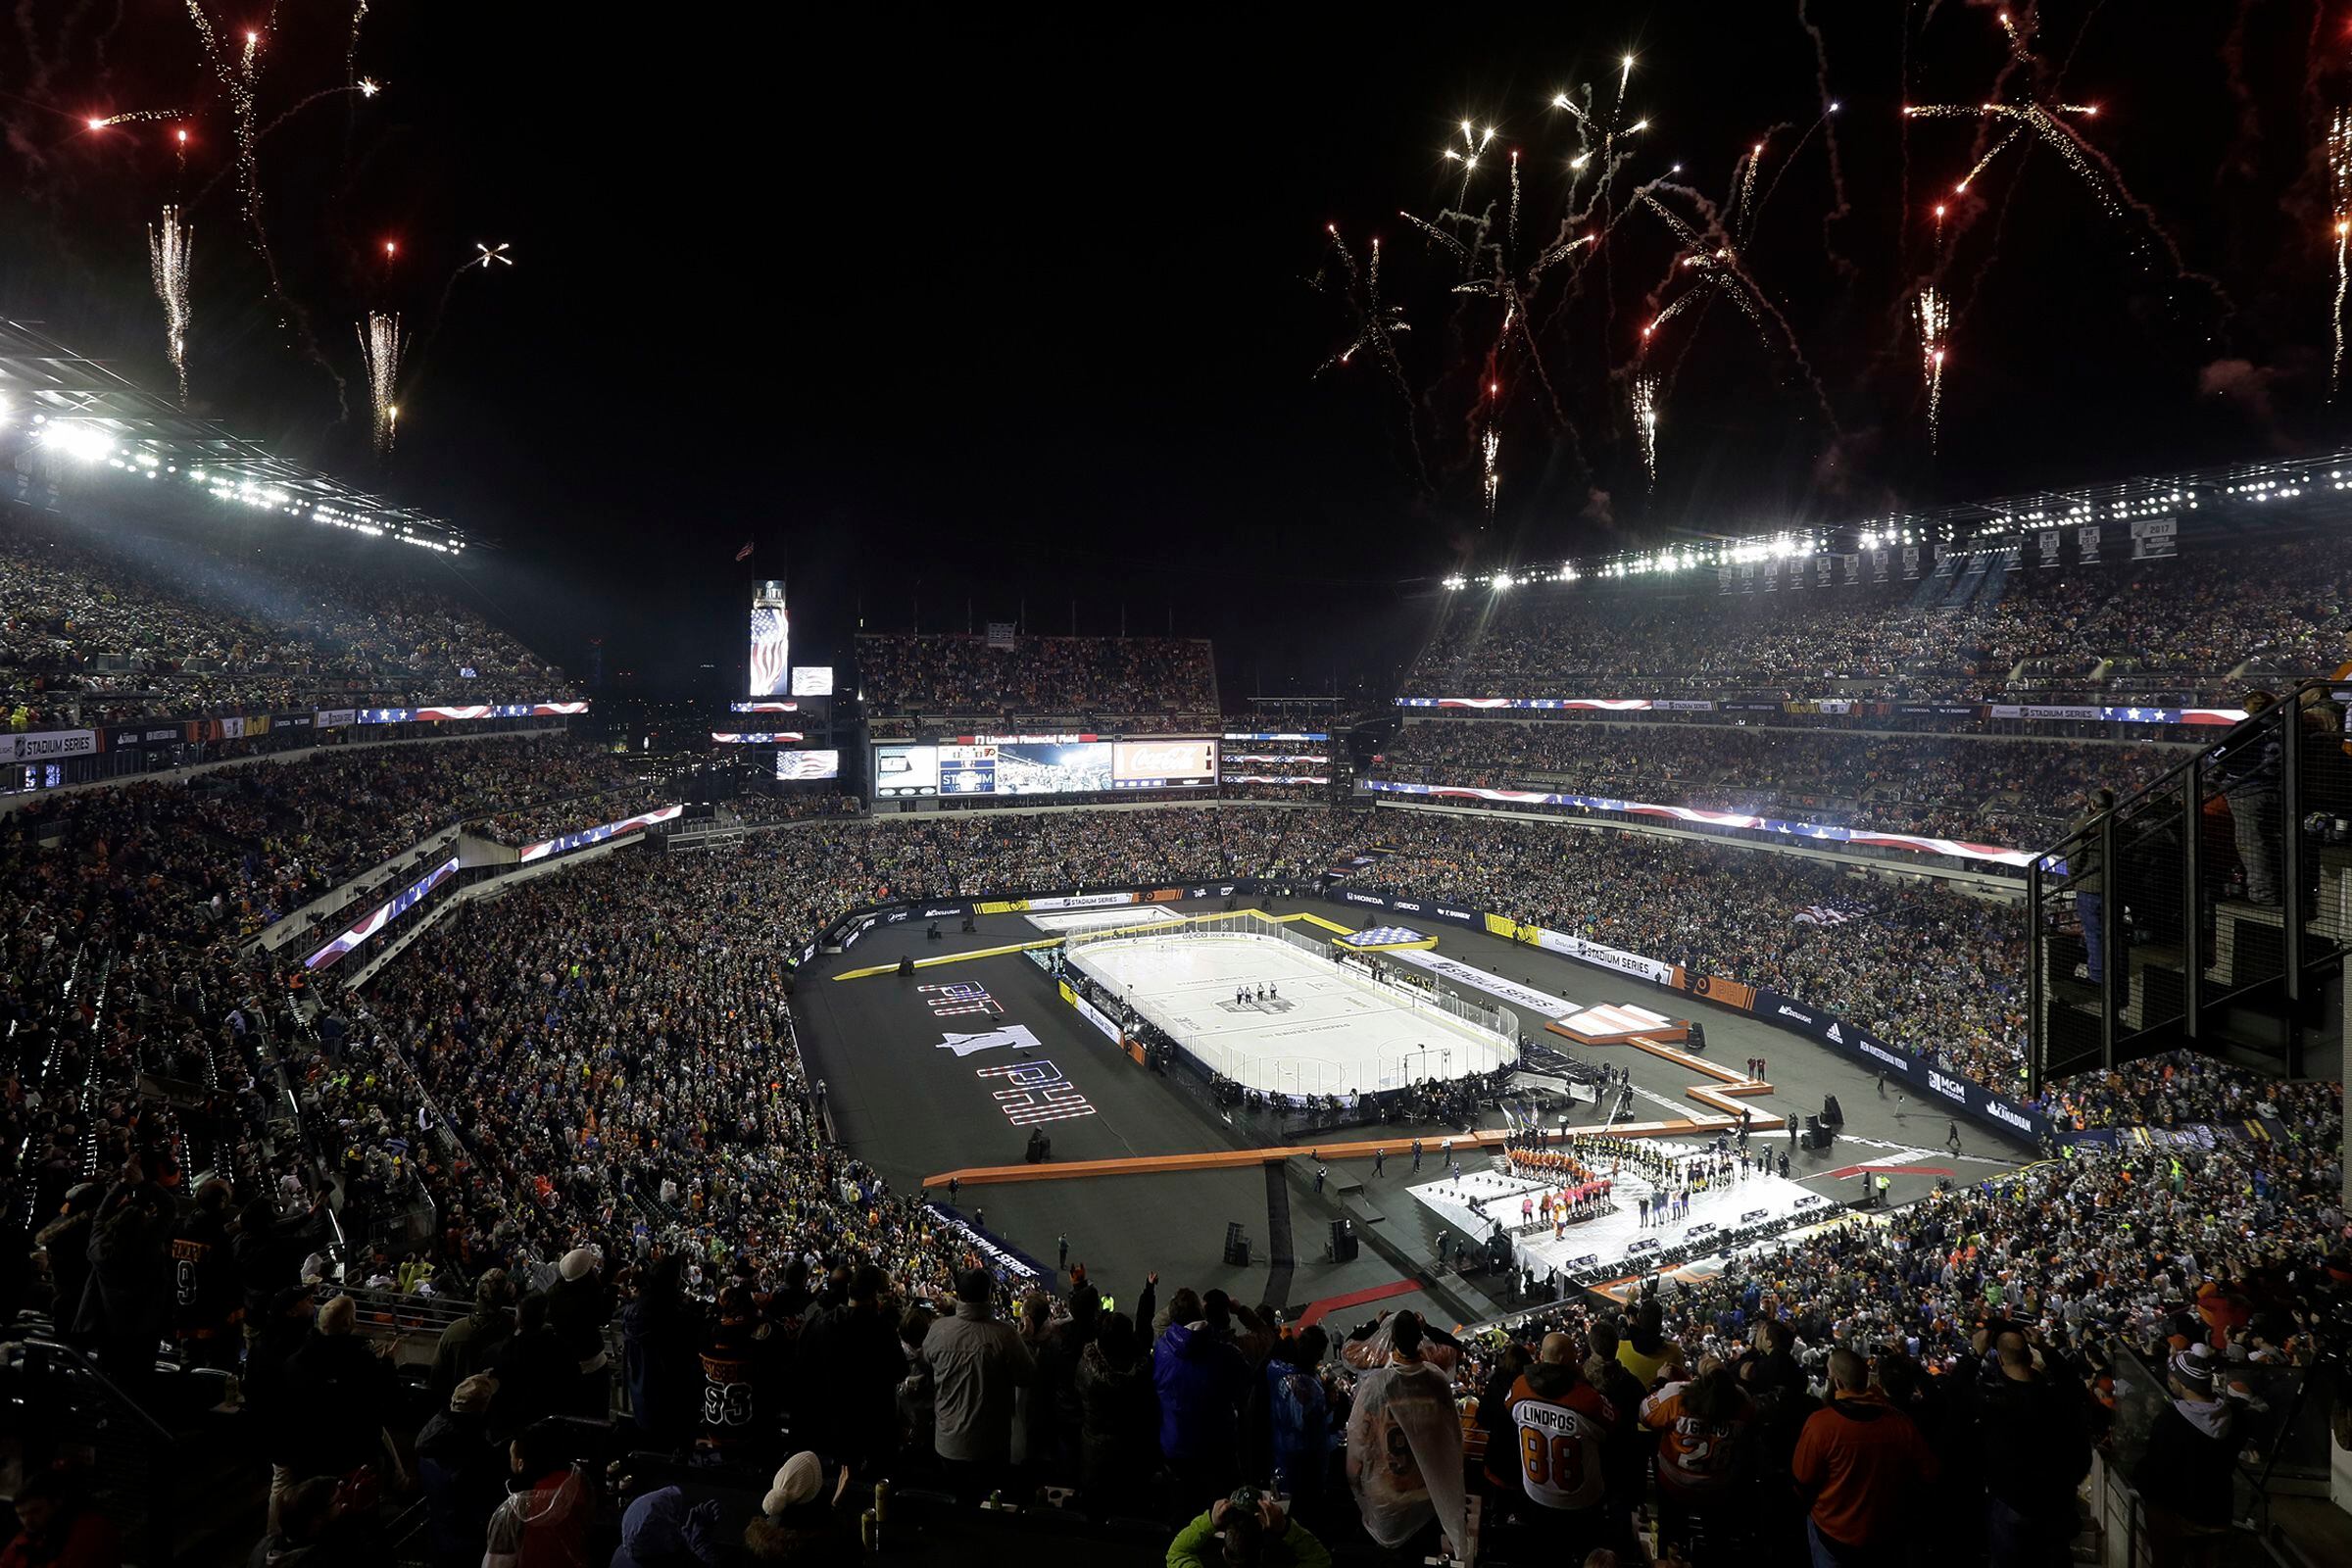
1617	1237
1323	1029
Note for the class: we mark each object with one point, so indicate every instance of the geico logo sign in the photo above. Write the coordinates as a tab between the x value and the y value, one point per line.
1786	1011
1948	1088
1887	1057
2001	1111
1405	903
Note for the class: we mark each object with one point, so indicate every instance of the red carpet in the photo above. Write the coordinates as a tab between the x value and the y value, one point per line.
1316	1312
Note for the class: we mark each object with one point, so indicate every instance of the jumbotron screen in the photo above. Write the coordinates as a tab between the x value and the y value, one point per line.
999	767
808	765
1163	764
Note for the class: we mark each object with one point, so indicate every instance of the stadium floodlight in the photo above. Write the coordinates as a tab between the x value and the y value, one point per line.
1456	581
76	440
1502	580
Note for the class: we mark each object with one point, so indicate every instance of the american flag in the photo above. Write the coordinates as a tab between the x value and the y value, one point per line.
771	642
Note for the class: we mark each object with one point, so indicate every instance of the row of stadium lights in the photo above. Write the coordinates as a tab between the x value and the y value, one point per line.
1781	547
87	444
1785	545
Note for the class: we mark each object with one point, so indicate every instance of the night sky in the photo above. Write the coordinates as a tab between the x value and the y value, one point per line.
951	308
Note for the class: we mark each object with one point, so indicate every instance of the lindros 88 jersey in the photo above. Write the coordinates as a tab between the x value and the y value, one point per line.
1560	1433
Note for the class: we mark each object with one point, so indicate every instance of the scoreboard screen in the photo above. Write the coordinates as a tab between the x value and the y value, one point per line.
903	772
1003	767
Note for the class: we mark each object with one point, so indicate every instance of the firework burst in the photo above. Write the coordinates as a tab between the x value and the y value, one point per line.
239	71
1474	143
1374	321
380	349
1933	314
2339	181
1645	422
1491	449
2042	123
170	250
133	116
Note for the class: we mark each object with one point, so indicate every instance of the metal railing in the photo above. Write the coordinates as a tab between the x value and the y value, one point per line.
74	1412
2227	880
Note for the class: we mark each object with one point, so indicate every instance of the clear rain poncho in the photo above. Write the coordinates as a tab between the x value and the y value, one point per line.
1405	1438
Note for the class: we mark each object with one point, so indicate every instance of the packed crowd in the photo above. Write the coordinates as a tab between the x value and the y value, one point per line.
596	1082
253	842
944	674
1929	1388
600	1040
2003	791
590	807
1932	970
2182	623
108	626
125	911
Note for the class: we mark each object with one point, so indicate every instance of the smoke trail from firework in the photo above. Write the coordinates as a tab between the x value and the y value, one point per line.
365	87
170	250
380	350
1933	314
2339	180
1840	206
1645	422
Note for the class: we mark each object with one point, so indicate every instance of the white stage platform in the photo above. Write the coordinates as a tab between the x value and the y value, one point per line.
1123	915
1330	1031
1618	1238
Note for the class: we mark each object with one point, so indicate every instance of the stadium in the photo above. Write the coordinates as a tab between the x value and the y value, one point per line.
1754	1022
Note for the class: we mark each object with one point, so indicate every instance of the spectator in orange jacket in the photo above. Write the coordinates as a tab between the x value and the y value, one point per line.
1855	1463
